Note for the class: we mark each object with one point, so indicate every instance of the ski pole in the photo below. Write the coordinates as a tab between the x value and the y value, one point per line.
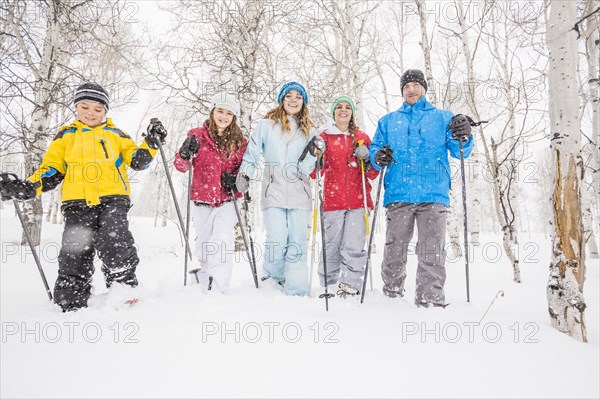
239	217
187	223
379	185
464	198
326	295
173	195
364	187
11	176
313	248
247	209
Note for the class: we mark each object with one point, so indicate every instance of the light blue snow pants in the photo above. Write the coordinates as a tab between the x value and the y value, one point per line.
285	248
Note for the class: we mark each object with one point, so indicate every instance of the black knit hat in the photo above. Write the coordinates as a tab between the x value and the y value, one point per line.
92	92
413	75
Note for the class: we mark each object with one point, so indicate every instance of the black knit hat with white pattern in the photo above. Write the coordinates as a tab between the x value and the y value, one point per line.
91	92
413	75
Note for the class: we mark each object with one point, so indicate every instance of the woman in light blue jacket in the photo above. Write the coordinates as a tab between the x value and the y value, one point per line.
281	137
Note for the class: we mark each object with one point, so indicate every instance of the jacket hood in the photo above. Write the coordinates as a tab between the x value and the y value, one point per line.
331	128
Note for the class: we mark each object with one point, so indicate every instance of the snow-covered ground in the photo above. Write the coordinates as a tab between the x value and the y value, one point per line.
181	342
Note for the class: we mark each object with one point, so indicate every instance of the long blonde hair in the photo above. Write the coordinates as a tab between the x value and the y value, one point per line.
278	114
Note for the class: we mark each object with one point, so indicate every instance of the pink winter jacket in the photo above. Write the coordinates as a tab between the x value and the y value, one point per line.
342	189
209	165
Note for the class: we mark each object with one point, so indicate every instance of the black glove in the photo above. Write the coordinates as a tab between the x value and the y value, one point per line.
154	133
384	157
362	152
460	127
316	143
12	187
228	181
242	183
190	147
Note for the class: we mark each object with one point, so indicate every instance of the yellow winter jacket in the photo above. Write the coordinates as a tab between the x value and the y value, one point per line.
91	162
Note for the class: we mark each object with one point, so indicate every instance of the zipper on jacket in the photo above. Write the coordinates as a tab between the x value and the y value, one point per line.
346	174
102	142
268	185
121	177
285	157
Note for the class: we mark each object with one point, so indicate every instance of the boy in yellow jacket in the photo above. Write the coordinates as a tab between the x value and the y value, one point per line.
90	157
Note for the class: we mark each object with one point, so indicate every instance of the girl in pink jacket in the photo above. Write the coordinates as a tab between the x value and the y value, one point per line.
215	149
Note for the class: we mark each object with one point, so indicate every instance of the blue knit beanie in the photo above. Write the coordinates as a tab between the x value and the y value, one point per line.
285	89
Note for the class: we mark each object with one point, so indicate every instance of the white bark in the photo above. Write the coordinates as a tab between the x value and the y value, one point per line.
426	52
591	195
474	205
503	181
566	303
44	75
454	222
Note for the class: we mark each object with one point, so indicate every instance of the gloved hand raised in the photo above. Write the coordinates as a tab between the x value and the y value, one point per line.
460	127
362	152
316	146
189	148
384	157
228	181
11	187
242	183
155	133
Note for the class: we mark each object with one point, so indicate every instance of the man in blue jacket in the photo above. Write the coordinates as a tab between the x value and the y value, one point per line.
413	143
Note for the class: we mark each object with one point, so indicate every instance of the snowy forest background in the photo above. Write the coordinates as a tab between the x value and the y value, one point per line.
493	60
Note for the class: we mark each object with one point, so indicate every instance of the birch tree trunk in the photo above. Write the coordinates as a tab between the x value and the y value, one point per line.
501	183
43	75
426	52
566	303
592	194
474	205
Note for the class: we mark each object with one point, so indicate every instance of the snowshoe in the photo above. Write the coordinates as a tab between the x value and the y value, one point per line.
280	283
201	278
346	290
432	305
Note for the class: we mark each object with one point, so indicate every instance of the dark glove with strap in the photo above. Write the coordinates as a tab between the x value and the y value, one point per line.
384	157
460	127
228	181
155	133
189	148
11	187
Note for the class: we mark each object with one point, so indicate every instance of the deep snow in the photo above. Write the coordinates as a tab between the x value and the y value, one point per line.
181	342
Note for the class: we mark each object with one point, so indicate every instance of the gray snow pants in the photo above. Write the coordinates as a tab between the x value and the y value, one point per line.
431	229
345	237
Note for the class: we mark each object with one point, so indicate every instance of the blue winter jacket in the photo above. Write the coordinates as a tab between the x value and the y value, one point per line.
285	179
420	140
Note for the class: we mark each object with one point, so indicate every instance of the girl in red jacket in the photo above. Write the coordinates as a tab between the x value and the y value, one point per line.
217	148
343	198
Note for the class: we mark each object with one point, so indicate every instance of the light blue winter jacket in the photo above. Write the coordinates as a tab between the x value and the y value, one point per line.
285	181
420	140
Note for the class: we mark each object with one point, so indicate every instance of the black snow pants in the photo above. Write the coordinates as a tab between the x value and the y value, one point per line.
103	229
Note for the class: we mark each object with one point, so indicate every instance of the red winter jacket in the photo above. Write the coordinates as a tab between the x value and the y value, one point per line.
209	165
342	189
